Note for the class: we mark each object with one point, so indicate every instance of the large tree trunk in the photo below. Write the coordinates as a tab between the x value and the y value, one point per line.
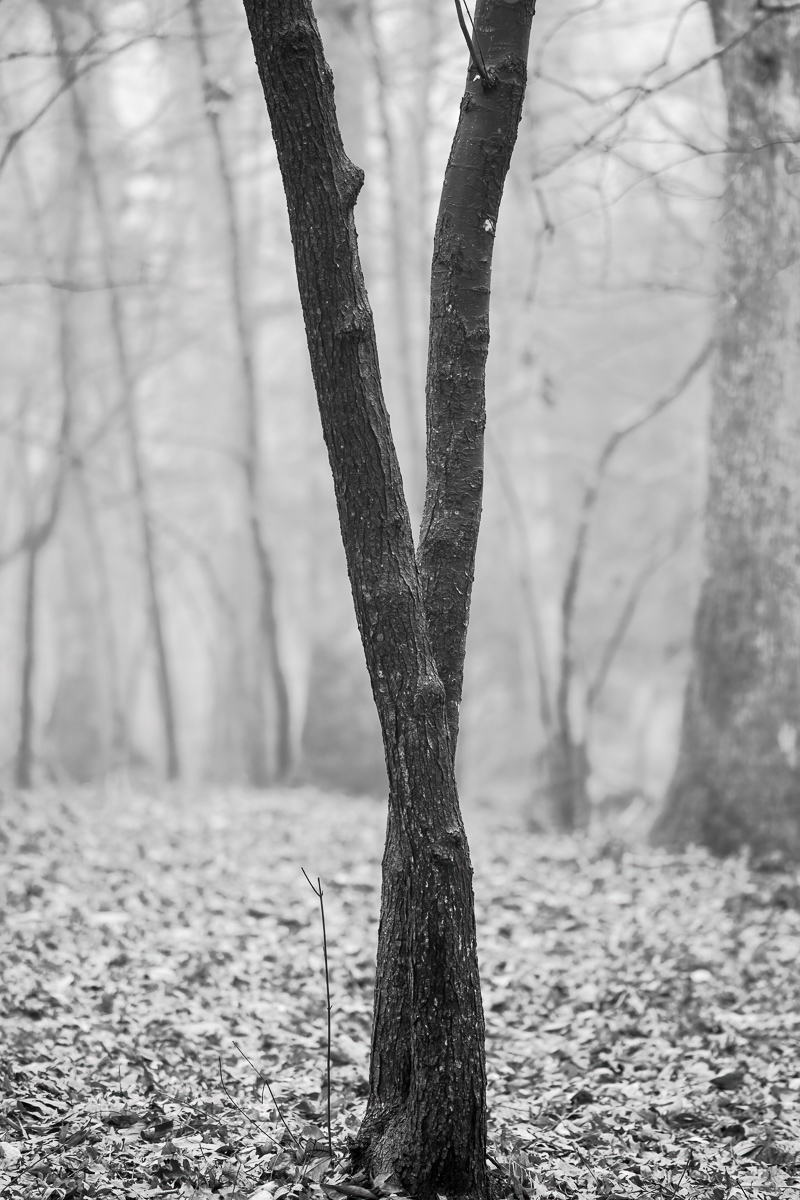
737	780
425	1120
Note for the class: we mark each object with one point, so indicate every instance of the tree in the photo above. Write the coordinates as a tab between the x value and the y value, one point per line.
737	780
425	1119
269	642
566	755
127	392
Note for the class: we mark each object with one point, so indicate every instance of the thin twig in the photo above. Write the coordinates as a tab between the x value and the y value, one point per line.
318	893
591	493
677	1187
473	47
236	1180
260	1128
260	1074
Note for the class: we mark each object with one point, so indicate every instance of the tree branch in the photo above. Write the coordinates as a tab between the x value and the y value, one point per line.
67	82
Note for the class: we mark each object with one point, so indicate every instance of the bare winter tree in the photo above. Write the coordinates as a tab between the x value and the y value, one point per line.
566	757
127	390
269	648
425	1122
737	780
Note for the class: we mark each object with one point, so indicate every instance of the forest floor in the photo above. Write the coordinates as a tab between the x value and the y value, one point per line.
161	970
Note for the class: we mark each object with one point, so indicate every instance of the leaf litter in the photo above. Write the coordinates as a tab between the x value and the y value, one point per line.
163	1012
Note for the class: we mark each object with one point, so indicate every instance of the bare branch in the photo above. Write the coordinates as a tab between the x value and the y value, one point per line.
591	492
527	583
641	92
70	79
67	285
626	615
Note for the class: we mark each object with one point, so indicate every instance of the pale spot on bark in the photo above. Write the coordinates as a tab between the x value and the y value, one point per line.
787	740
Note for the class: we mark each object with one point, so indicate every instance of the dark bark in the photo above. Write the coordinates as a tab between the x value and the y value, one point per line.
737	780
425	1120
258	769
459	332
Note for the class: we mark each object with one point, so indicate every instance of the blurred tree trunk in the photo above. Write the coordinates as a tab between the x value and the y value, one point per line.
425	1125
737	780
36	538
342	27
23	767
256	756
83	720
403	263
141	490
566	764
40	531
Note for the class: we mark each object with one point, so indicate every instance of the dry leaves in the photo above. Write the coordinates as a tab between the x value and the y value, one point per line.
642	1011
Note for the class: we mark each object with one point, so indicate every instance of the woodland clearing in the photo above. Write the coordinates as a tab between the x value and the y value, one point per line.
161	971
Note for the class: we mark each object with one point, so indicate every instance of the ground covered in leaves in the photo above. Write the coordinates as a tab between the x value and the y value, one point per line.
162	1004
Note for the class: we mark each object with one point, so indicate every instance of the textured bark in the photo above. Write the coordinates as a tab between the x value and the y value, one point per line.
459	332
425	1120
737	780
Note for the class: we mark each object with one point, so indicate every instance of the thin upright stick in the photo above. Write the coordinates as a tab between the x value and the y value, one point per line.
260	1075
318	893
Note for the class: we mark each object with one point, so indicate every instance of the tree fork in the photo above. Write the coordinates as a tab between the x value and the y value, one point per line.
426	1116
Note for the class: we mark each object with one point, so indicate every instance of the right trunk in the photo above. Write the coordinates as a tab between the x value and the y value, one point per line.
737	780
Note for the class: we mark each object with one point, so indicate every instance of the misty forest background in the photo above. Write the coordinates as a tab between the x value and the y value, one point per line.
173	595
177	629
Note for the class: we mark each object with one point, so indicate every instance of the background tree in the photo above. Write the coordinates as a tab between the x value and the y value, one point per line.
602	265
737	781
269	665
425	1124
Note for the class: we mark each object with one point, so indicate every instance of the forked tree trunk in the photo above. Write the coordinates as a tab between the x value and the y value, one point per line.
425	1123
737	780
